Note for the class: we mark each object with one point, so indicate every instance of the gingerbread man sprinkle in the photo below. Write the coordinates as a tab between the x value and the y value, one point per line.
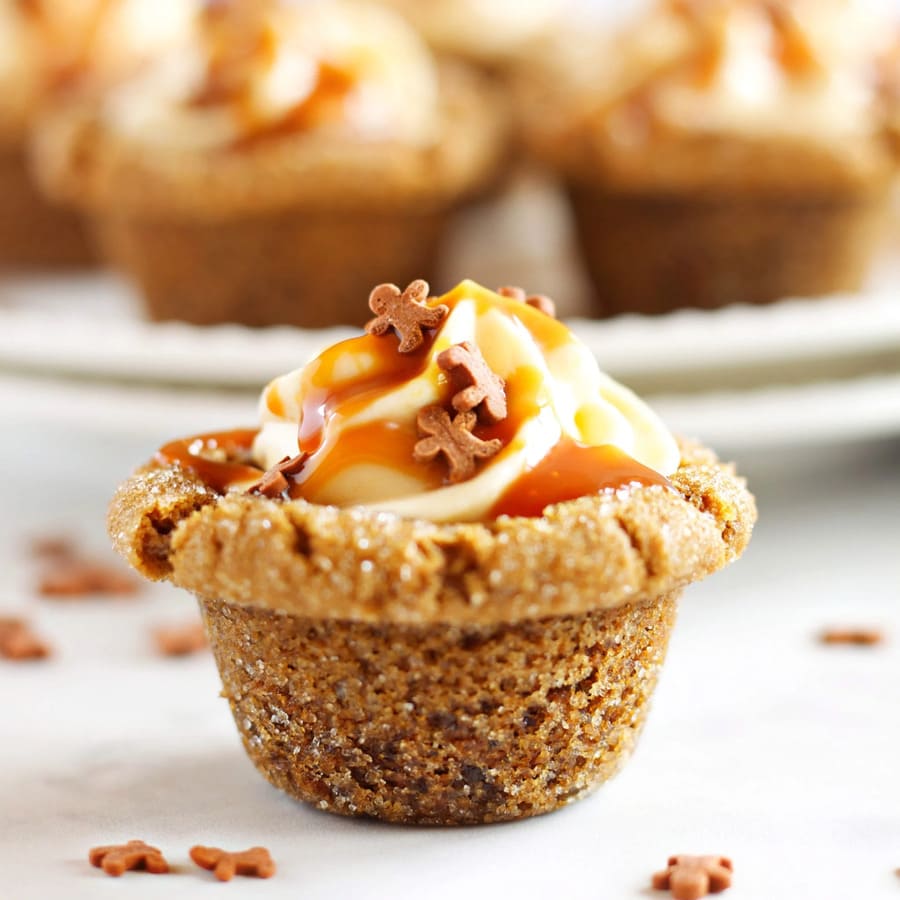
119	858
692	877
180	640
71	578
274	483
540	302
404	311
256	862
859	637
19	642
454	439
477	386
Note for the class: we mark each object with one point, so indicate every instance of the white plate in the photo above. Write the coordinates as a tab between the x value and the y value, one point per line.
91	326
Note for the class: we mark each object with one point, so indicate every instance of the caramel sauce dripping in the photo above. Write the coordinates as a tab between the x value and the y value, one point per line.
522	393
391	443
219	474
330	90
571	470
232	57
69	54
241	42
325	396
387	444
568	471
791	48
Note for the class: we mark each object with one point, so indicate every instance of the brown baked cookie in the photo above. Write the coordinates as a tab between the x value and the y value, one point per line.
437	673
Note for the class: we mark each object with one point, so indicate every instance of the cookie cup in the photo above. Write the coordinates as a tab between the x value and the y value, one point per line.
262	233
433	673
35	233
667	219
654	252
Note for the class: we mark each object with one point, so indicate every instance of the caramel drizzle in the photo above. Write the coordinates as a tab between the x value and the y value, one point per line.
68	55
569	470
220	459
392	443
701	65
240	42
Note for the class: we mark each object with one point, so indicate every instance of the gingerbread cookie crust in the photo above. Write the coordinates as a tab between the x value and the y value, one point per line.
439	724
440	674
322	562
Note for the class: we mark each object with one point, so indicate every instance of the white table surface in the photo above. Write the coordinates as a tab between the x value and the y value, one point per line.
762	744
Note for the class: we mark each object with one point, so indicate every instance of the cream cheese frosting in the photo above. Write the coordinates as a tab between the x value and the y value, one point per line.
483	29
353	411
341	70
746	68
825	90
54	44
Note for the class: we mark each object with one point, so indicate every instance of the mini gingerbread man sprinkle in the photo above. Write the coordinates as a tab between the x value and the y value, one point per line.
18	641
71	578
180	640
274	482
692	877
256	862
478	387
404	311
119	858
538	301
454	439
860	637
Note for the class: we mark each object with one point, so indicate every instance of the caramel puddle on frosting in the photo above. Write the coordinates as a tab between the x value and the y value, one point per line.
199	455
69	55
571	470
324	102
242	42
386	444
325	395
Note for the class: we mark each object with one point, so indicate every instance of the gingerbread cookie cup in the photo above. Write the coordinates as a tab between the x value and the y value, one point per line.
436	673
655	252
735	152
260	235
268	168
33	231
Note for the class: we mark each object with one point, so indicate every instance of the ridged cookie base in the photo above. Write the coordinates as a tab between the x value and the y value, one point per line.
439	724
654	252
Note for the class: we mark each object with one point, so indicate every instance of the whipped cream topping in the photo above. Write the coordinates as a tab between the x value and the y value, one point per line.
53	44
480	28
353	411
337	70
751	68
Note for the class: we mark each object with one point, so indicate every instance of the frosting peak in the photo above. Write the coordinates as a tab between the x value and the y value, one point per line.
262	69
355	413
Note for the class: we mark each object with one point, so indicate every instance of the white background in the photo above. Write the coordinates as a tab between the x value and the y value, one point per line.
761	744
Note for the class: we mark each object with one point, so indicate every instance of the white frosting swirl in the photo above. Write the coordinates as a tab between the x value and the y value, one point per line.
554	390
753	92
89	42
392	92
821	88
484	29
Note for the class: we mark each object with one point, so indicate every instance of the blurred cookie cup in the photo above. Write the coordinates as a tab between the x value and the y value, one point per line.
720	152
264	174
439	579
51	52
